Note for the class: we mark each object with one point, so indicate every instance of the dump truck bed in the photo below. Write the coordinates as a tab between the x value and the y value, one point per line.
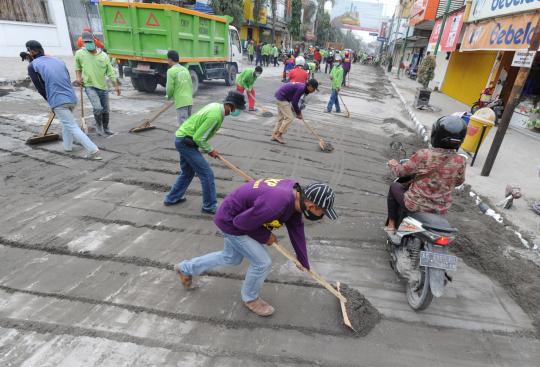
137	31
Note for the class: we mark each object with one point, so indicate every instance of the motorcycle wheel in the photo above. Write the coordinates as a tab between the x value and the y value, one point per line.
419	294
475	107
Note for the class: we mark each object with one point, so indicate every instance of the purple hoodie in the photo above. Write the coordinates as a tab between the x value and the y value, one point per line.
291	92
257	207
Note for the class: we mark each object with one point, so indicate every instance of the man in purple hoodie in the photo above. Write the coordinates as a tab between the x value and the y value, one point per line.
247	217
288	96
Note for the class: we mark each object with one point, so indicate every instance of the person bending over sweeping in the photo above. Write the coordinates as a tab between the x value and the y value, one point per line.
289	95
195	133
247	217
245	82
336	76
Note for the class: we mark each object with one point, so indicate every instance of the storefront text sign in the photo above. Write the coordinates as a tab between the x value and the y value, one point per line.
422	10
523	58
482	9
450	35
508	33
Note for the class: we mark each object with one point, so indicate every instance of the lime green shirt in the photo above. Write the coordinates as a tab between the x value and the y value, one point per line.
179	86
94	67
275	51
337	76
250	49
246	79
312	66
203	125
265	49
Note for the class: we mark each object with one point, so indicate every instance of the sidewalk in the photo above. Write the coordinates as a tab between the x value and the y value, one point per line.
517	162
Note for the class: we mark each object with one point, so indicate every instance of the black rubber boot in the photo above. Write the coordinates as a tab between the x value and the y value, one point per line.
99	124
105	121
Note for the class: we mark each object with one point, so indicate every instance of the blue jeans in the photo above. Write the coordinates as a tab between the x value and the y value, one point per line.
99	99
71	129
235	248
192	162
182	114
334	100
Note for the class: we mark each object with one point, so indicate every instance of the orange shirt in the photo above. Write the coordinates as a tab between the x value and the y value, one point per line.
298	75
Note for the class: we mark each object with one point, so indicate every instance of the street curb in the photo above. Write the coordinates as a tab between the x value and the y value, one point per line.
419	127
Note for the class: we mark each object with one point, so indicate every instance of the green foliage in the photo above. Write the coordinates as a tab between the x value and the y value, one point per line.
234	8
426	71
534	119
296	21
324	29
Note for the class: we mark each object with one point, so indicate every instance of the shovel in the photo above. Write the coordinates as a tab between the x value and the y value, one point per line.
147	124
288	255
265	112
348	114
44	137
325	147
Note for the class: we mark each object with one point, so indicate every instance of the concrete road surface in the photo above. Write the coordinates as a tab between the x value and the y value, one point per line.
87	248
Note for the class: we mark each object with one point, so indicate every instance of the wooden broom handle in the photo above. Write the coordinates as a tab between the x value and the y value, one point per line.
311	273
244	175
311	129
160	112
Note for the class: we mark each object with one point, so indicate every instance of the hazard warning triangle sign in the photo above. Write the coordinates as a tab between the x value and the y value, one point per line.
152	21
119	18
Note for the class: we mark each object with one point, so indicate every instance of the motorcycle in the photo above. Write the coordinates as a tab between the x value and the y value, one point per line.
411	73
419	254
496	104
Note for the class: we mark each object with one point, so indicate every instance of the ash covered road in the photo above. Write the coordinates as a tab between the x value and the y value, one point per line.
87	248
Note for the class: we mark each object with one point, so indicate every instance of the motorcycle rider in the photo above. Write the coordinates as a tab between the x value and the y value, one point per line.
435	172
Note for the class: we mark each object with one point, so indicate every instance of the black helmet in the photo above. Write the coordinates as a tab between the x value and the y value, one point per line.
237	99
448	132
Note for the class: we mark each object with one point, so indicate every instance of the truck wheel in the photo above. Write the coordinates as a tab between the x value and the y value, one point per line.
136	83
194	81
230	77
149	84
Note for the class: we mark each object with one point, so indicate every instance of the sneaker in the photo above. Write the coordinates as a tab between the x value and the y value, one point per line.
253	109
96	156
326	111
260	307
208	211
169	203
338	111
108	132
279	139
186	280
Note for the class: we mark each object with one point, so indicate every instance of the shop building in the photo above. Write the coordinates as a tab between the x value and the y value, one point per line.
260	30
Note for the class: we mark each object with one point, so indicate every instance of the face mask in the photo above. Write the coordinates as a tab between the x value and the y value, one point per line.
257	75
90	46
235	112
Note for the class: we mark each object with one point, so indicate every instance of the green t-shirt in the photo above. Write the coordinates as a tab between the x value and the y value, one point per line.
312	66
179	86
265	49
203	125
250	49
246	79
337	76
275	51
94	67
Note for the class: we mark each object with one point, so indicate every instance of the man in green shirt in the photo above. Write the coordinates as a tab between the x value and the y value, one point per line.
336	76
92	66
251	51
193	135
179	87
275	54
266	53
245	82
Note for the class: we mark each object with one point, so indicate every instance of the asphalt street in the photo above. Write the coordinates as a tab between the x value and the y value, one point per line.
87	248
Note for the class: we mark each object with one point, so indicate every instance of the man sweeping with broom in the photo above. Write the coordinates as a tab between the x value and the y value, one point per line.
247	217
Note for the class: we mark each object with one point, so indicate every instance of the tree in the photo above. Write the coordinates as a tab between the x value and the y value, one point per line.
296	21
310	10
233	8
426	71
324	30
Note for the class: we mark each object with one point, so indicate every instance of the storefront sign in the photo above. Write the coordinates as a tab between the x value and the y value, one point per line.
423	10
508	33
482	9
450	35
523	58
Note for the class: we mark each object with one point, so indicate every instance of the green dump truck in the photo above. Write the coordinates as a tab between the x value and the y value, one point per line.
140	34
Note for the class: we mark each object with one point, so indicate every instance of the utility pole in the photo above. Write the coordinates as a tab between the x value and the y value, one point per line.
448	2
395	37
387	35
513	100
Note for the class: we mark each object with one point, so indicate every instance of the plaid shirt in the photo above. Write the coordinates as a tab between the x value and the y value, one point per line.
432	194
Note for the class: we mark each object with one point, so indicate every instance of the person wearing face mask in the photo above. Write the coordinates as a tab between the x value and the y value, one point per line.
51	79
80	42
245	82
336	76
92	66
193	135
247	217
289	95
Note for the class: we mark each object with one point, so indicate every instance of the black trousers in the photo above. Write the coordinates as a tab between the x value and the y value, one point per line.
396	201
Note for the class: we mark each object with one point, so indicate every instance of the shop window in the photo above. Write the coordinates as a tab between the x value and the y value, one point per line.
31	11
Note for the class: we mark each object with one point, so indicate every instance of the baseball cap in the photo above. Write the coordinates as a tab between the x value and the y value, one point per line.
323	196
87	37
314	83
237	99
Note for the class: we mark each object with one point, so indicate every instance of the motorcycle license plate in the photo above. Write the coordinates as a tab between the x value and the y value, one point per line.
439	261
